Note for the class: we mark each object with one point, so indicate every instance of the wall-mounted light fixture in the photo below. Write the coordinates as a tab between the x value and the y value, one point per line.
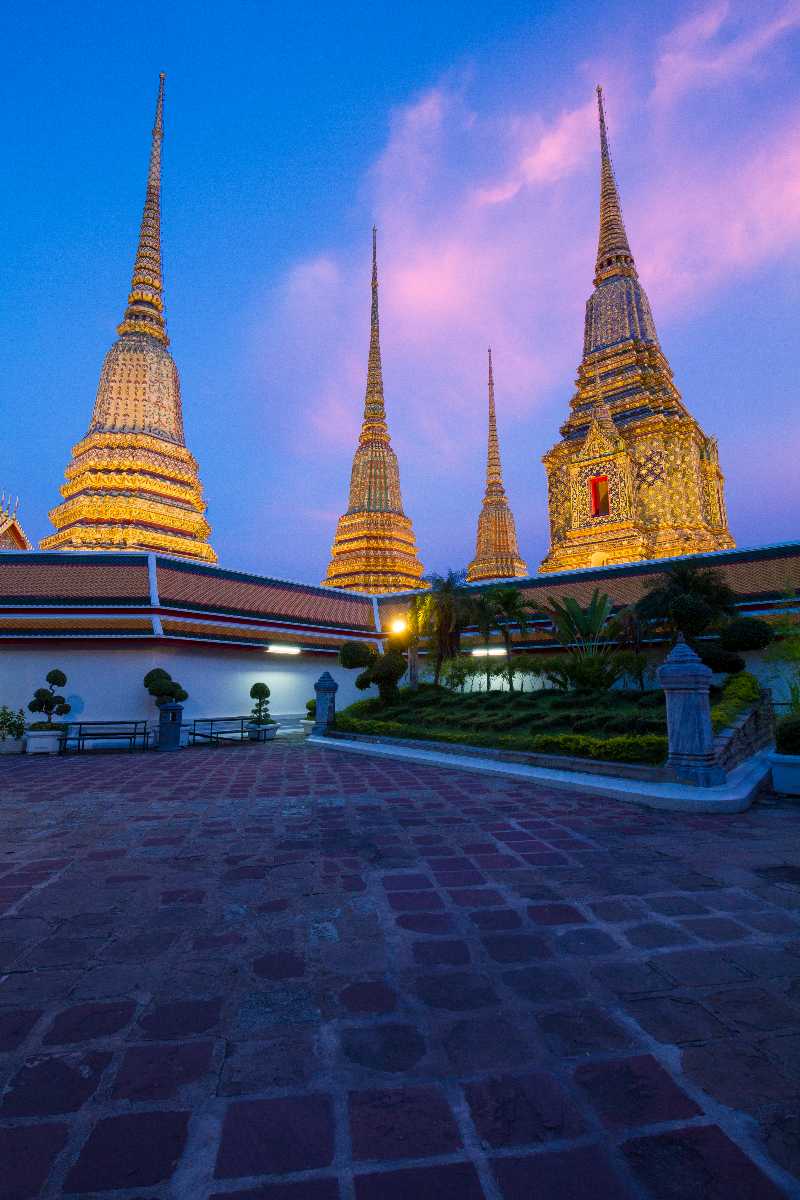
277	648
489	652
399	625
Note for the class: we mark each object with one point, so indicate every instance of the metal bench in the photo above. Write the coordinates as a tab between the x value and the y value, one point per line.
135	733
219	729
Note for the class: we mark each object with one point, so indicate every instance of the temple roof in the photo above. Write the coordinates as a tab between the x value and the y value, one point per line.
12	535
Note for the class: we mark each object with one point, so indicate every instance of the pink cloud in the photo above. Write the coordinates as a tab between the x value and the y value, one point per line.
693	56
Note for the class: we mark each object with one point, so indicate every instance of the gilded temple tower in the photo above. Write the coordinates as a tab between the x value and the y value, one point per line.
634	476
374	549
496	551
131	483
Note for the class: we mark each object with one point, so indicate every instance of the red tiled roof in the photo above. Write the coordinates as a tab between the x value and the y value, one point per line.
206	630
66	579
214	590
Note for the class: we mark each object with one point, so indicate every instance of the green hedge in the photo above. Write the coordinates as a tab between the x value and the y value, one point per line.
787	735
739	693
633	748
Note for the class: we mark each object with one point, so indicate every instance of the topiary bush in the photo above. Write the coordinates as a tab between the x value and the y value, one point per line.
260	714
721	662
48	701
787	735
746	633
356	654
311	709
163	688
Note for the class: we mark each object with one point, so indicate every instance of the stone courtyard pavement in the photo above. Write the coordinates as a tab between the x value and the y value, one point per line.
292	973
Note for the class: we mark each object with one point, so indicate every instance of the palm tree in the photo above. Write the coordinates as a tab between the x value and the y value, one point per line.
446	614
687	599
483	614
584	630
417	618
510	608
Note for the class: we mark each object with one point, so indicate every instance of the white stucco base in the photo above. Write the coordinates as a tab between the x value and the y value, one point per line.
104	677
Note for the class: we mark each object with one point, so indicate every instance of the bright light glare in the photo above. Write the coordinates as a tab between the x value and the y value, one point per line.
277	648
398	625
492	652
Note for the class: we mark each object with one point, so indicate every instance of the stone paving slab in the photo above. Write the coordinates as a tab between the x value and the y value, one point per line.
286	972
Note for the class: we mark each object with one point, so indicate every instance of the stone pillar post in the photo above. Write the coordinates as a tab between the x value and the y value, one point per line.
686	680
326	688
170	717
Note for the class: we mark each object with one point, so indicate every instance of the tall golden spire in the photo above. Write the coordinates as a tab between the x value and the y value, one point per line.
374	549
496	551
131	483
374	424
145	311
494	473
633	476
613	251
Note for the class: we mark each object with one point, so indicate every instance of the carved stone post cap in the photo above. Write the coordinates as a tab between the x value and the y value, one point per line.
326	683
683	666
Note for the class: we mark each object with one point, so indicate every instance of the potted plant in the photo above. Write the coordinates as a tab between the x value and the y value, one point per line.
307	724
45	737
12	729
261	727
786	759
169	696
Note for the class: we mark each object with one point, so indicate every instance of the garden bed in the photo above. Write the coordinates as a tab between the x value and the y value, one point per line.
616	727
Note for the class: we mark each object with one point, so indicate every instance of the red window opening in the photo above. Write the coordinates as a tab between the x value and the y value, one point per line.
598	495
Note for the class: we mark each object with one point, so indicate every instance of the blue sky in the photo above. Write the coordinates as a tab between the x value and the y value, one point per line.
467	133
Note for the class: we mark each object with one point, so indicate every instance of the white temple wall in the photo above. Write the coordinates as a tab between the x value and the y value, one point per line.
104	678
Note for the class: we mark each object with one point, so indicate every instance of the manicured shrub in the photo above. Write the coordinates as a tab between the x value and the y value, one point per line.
356	654
721	662
739	693
311	708
260	714
163	688
644	748
654	699
636	748
746	633
787	735
48	701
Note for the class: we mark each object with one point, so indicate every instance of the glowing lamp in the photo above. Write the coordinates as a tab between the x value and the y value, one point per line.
489	652
277	648
398	625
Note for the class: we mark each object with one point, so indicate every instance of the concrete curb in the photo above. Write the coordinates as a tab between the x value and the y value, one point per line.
734	796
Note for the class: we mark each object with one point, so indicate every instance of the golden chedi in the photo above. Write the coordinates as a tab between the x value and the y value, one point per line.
496	551
374	549
634	476
131	483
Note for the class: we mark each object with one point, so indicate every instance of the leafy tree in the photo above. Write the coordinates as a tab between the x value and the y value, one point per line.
163	688
446	615
260	714
687	599
47	700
